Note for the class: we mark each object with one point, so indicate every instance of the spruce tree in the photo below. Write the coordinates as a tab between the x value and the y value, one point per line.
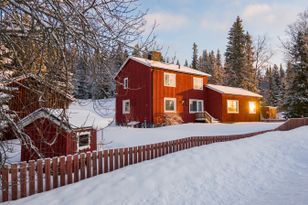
178	62
282	76
248	75
186	63
235	54
296	102
218	71
276	85
194	63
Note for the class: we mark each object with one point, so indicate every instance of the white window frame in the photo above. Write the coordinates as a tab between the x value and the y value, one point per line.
255	112
194	83
167	84
197	100
89	141
123	107
170	111
125	83
238	107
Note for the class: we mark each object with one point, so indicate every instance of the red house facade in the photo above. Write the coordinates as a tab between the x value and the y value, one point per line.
150	92
51	137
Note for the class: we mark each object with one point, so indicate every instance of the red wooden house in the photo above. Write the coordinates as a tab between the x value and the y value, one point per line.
52	136
149	92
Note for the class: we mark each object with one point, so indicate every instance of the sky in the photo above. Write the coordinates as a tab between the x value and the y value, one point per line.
207	22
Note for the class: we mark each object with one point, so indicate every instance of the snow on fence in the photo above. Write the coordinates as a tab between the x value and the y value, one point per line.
28	178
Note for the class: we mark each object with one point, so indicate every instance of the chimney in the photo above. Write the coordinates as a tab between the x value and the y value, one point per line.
154	55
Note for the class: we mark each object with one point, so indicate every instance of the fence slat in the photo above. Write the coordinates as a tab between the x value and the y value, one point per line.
62	171
111	160
5	183
31	177
69	169
106	161
94	162
55	172
130	155
126	156
148	155
23	179
14	169
39	176
47	174
89	164
100	162
121	157
135	155
76	168
152	151
116	159
139	154
143	153
82	166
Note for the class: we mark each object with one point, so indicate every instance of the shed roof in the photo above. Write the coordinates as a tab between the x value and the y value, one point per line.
165	66
232	90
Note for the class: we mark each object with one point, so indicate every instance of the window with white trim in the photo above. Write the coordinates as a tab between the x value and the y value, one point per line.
126	106
232	106
195	105
125	83
83	140
170	104
170	79
198	83
252	107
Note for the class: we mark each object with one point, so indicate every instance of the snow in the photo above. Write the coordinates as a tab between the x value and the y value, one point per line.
13	150
232	90
166	66
116	137
271	168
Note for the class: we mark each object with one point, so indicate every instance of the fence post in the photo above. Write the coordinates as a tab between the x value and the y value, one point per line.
14	169
116	159
55	172
126	156
39	175
100	162
148	155
69	169
139	154
82	166
94	163
130	155
31	177
143	153
121	158
111	160
23	179
76	167
89	164
106	161
135	155
47	174
5	183
62	171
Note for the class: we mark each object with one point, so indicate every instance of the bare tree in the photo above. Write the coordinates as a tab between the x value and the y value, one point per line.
46	37
262	53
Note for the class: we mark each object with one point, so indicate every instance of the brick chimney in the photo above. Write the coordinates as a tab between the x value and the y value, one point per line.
154	55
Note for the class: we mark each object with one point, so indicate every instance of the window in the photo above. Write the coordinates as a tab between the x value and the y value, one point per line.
170	105
195	106
169	79
126	106
198	83
125	83
252	107
83	140
233	106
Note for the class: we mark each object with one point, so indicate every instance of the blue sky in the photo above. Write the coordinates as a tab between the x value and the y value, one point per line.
182	22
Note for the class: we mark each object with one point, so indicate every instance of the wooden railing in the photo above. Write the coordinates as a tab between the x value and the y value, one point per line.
204	116
28	178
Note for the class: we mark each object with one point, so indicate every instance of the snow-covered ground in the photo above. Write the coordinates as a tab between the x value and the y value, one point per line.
271	168
115	137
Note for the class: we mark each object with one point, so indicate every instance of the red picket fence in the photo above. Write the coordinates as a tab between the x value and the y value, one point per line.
25	179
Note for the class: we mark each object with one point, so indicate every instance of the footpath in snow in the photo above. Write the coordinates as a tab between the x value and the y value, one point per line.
271	168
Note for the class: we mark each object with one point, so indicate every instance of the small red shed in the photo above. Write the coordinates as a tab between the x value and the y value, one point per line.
230	104
51	136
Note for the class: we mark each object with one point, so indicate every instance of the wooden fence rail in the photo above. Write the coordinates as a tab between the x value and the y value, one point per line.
28	178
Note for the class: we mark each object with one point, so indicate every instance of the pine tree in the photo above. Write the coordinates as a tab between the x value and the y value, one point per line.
248	75
282	76
235	54
186	63
194	63
296	102
276	85
205	60
178	62
218	71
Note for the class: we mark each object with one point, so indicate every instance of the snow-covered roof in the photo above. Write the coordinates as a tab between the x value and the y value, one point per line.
232	90
166	66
